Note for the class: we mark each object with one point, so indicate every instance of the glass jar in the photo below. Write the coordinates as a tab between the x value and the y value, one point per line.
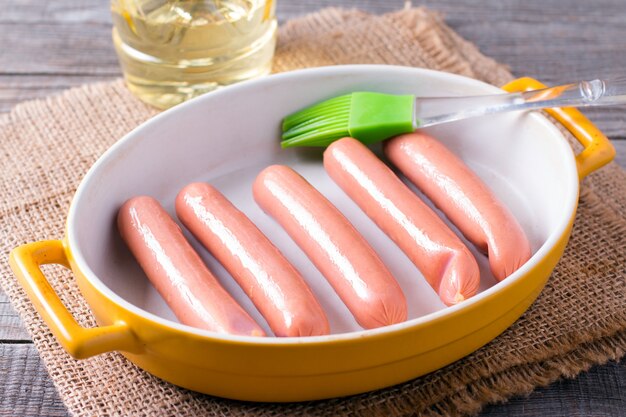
173	50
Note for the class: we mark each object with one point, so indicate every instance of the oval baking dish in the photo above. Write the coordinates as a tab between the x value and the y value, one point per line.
226	138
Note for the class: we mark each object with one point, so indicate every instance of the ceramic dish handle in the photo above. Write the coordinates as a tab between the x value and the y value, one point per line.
80	342
598	150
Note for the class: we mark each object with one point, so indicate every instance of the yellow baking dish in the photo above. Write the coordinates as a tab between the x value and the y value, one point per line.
226	138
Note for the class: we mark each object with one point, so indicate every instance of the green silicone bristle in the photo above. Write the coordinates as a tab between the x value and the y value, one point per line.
368	117
322	108
317	125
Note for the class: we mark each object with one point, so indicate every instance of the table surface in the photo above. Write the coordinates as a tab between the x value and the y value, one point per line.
48	46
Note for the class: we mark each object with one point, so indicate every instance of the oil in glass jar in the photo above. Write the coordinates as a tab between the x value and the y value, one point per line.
171	51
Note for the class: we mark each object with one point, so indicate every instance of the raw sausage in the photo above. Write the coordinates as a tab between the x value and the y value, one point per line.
177	271
336	248
464	198
275	287
446	263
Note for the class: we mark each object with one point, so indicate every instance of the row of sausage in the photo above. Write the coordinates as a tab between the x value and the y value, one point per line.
331	242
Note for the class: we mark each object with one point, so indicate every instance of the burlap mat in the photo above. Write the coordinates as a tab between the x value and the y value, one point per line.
579	319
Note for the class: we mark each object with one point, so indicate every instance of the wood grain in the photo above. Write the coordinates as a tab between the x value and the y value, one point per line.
49	46
26	387
11	327
593	393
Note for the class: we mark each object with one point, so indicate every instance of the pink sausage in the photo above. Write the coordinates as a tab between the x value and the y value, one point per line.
438	253
177	271
272	283
336	248
464	198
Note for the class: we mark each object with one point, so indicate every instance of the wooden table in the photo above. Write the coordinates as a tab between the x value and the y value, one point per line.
48	46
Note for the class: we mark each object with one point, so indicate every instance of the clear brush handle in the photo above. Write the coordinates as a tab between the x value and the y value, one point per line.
435	110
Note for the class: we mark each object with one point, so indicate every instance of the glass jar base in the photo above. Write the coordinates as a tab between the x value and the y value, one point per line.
164	94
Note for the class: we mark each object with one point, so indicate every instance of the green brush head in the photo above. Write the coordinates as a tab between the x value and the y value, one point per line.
368	117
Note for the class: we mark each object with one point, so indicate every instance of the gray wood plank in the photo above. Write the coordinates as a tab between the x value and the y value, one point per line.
62	49
620	149
61	11
11	327
62	37
26	387
18	88
598	392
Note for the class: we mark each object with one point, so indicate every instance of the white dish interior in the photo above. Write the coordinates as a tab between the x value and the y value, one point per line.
227	137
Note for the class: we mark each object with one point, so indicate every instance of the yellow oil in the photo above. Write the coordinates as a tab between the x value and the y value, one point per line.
171	51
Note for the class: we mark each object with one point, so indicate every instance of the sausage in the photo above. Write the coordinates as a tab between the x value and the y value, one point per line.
446	263
334	246
275	287
177	271
460	194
